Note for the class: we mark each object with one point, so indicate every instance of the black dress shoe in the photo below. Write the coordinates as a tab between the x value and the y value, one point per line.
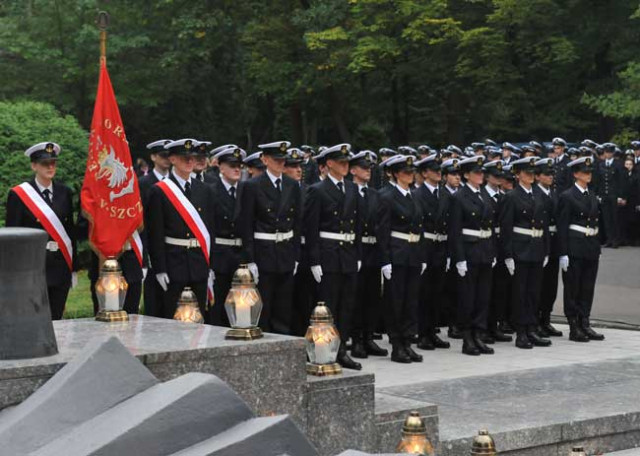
522	341
499	336
589	332
400	355
576	334
425	344
506	328
487	338
345	361
416	358
454	333
439	343
469	345
538	341
551	331
377	336
358	350
374	349
480	343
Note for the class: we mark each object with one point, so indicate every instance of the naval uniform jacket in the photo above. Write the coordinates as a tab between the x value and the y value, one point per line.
181	263
368	214
551	211
329	209
145	183
264	209
527	211
609	183
576	208
225	258
404	215
562	178
496	208
469	212
434	222
19	215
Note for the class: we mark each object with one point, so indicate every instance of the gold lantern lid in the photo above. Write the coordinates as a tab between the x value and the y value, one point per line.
188	297
483	444
414	425
578	451
321	314
242	276
111	265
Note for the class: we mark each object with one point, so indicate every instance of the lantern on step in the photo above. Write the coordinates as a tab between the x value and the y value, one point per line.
111	289
414	437
483	444
323	341
578	451
188	309
243	306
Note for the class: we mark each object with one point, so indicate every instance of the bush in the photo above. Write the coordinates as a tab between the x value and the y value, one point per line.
23	124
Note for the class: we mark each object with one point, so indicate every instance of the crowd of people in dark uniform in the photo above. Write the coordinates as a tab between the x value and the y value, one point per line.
404	242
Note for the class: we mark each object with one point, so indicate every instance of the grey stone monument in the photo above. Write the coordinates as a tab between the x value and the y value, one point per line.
26	330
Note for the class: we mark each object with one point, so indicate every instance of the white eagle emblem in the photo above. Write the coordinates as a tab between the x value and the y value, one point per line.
112	169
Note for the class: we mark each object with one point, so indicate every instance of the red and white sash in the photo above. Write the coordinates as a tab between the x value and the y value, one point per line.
136	246
190	216
47	218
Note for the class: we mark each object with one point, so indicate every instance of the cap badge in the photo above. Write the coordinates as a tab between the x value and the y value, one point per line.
499	166
236	153
343	150
410	161
283	147
49	148
588	161
187	144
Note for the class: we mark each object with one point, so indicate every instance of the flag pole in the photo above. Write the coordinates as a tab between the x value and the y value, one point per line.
103	23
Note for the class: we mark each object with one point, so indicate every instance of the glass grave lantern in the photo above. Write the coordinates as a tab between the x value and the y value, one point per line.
243	306
322	340
111	289
414	437
188	309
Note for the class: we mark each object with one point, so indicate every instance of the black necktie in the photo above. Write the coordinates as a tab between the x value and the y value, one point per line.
364	192
278	184
187	190
479	196
586	193
435	193
232	192
408	196
47	196
340	186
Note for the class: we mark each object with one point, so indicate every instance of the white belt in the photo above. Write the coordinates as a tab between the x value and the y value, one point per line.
52	246
436	237
344	237
482	234
275	237
583	229
188	243
230	242
496	230
553	229
534	233
369	240
411	238
303	240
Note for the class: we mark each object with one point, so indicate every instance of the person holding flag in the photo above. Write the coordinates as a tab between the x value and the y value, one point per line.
180	218
45	204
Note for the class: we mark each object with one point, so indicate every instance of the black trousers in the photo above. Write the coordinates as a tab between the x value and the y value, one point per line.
402	310
153	296
431	301
549	289
57	300
368	305
525	295
304	300
501	289
276	290
338	291
579	285
449	315
609	208
131	301
473	296
217	312
171	296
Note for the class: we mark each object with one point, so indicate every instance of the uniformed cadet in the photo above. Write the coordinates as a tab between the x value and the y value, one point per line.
201	163
435	243
40	197
379	177
401	245
494	154
507	152
508	179
501	282
333	240
153	293
254	164
562	178
271	223
609	173
540	150
368	306
528	151
549	289
310	172
525	243
179	257
473	253
579	249
227	242
212	174
478	148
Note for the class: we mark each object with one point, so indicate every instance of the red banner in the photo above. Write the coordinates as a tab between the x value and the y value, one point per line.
110	195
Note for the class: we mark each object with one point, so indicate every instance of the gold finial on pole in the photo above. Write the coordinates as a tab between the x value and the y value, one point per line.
103	23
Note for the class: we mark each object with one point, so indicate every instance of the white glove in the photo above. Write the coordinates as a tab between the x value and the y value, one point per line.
295	268
461	266
546	261
386	271
145	271
163	280
359	265
253	268
637	208
424	268
494	262
511	265
317	273
564	263
74	280
212	278
448	266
